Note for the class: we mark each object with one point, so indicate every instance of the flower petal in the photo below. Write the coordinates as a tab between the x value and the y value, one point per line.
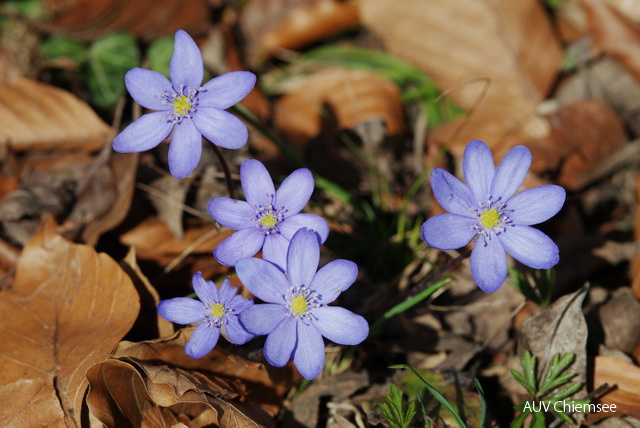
234	331
308	355
238	303
511	172
263	279
275	249
530	247
451	194
262	319
340	325
226	292
227	89
203	340
448	231
303	257
280	342
291	225
256	183
185	149
231	213
206	291
488	264
221	128
533	206
148	87
242	244
181	310
143	134
334	278
479	169
295	191
186	68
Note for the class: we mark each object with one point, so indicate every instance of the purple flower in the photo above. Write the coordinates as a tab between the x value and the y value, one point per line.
216	312
185	107
486	209
268	219
296	315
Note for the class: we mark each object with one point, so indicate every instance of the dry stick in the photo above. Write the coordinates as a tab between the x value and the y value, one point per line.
225	169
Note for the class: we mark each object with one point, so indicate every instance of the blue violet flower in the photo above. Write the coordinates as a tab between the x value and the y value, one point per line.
485	209
268	219
216	312
185	107
296	315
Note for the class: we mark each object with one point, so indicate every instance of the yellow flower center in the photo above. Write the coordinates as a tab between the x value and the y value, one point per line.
490	218
269	220
182	105
217	310
299	305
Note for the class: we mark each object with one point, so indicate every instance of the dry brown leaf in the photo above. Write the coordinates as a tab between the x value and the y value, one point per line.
153	240
510	43
265	386
149	19
273	26
67	309
124	168
149	299
613	34
626	395
125	392
582	135
635	264
355	96
558	329
37	116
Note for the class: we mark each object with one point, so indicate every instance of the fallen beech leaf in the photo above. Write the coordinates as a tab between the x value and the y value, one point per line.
509	43
149	324
37	116
125	390
273	26
124	169
582	135
635	264
265	386
153	240
31	402
620	321
355	96
149	19
626	395
614	34
67	309
558	329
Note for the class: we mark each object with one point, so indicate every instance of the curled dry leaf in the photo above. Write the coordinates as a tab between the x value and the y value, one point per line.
264	386
67	309
149	19
614	34
37	116
626	395
508	44
153	240
355	96
276	25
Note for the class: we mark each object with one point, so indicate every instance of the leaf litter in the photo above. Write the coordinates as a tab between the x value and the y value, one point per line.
364	94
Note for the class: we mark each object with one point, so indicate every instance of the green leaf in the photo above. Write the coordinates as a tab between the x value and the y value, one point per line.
561	380
109	59
160	53
531	389
483	414
60	47
519	420
443	401
538	420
